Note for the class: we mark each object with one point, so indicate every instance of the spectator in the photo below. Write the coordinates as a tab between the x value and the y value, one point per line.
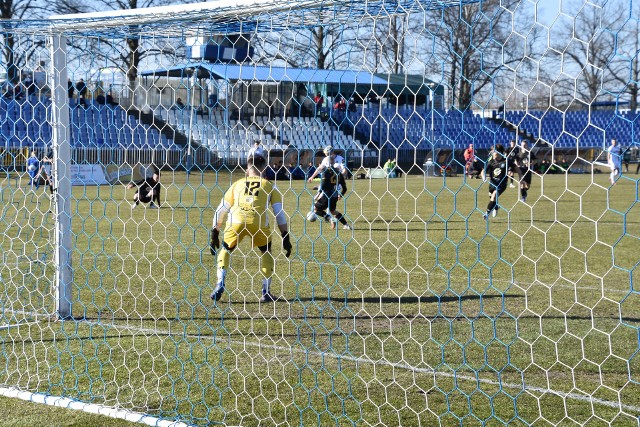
397	171
101	99
110	100
46	172
626	158
30	86
469	158
256	149
179	103
296	172
318	100
352	105
544	166
390	168
281	171
475	169
310	170
18	93
82	89
340	104
270	172
70	88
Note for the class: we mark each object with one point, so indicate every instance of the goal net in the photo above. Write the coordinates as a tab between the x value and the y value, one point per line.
477	268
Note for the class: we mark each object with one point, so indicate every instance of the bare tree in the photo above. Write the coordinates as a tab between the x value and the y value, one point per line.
391	36
125	49
13	57
475	42
587	51
321	46
622	71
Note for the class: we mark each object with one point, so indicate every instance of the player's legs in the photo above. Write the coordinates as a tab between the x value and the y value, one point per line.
234	235
320	206
333	204
615	171
525	183
48	178
141	197
231	237
261	240
33	182
156	195
49	181
492	199
492	206
267	265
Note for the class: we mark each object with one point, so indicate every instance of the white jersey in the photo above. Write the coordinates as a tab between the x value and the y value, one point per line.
326	163
339	164
256	151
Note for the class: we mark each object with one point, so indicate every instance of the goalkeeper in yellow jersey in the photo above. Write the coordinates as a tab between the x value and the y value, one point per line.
246	203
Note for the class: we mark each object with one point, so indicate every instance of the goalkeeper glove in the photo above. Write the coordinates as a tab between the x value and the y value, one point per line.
215	241
286	244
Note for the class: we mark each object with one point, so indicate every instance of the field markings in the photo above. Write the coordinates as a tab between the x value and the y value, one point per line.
398	365
93	408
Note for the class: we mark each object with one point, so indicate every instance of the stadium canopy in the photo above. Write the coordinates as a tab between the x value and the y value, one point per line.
336	81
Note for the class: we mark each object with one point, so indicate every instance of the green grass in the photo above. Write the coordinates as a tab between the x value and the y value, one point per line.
426	313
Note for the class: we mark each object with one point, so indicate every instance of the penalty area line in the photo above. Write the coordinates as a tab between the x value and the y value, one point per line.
405	366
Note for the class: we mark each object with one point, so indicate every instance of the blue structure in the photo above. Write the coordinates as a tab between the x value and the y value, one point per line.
578	129
27	123
408	128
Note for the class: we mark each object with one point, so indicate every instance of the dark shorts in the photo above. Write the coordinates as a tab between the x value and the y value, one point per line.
526	175
500	188
143	194
512	167
326	202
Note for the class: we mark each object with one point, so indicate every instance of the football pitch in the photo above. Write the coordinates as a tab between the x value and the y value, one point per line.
424	314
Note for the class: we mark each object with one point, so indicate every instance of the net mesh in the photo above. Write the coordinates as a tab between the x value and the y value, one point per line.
426	306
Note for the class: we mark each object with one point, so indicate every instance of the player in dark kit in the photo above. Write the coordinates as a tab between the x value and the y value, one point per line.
329	194
332	187
525	158
148	190
496	171
512	162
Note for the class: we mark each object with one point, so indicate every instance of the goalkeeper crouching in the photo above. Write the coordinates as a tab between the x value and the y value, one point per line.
246	204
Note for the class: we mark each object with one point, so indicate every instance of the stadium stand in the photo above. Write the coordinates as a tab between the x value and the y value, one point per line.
406	128
566	129
26	123
230	137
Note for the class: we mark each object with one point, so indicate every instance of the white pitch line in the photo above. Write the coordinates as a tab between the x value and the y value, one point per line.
93	408
574	396
14	325
514	386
